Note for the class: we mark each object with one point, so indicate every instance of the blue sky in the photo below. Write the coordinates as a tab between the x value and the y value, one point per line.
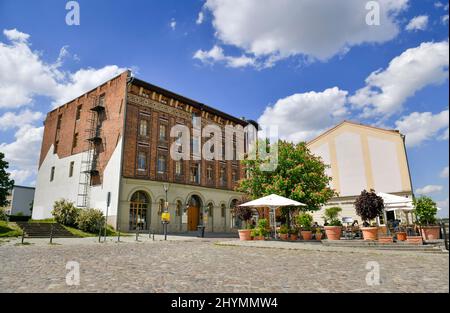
300	64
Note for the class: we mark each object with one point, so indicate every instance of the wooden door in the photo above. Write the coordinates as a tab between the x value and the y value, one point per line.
193	218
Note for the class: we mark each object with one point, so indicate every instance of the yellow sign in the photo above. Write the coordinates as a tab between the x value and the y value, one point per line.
165	216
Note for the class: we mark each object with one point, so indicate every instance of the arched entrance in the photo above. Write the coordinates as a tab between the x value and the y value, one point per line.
236	223
194	212
139	205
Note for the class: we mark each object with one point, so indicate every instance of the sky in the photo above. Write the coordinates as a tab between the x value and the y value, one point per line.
300	64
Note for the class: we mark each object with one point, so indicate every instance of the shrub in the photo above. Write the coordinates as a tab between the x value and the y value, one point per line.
425	210
368	205
3	216
304	220
90	220
243	213
65	212
331	216
256	232
284	229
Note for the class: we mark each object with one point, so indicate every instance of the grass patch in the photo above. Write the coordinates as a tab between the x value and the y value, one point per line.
79	233
9	229
46	221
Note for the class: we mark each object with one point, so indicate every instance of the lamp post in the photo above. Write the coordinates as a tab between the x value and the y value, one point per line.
166	209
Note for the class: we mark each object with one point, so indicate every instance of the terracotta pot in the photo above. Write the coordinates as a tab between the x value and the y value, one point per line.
414	240
319	236
385	239
259	238
401	236
370	233
306	234
245	234
430	232
284	236
294	237
333	232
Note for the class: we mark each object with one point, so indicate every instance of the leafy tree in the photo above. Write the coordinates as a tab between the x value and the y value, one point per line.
425	210
299	176
6	184
369	205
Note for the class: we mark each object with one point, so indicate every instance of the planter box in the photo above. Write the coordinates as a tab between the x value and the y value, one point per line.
245	234
430	232
306	234
401	236
370	233
414	240
385	240
333	232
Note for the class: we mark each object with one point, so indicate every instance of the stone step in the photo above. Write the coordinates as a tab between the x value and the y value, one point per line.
43	230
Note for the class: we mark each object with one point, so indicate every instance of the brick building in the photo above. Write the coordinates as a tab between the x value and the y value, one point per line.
116	140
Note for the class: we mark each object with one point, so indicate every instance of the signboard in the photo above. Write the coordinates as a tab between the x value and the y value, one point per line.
165	217
184	218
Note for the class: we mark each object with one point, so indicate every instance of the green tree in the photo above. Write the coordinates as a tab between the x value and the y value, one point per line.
299	176
6	184
425	210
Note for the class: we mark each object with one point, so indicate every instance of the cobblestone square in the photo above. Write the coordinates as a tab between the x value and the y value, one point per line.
201	265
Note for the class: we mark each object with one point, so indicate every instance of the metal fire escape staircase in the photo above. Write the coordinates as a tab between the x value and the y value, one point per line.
88	168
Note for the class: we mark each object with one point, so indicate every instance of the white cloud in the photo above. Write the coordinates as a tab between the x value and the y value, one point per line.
15	35
200	18
33	76
305	115
216	54
387	90
173	24
429	189
444	172
317	29
21	176
420	127
417	23
12	120
23	153
444	19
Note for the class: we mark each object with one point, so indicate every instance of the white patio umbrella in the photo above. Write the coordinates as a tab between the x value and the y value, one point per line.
396	203
272	202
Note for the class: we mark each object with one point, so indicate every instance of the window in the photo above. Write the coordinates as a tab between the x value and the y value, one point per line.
179	208
71	168
78	115
142	161
55	148
143	128
101	100
161	164
52	173
209	172
222	177
196	145
178	168
234	176
222	209
162	132
58	123
211	210
195	173
75	140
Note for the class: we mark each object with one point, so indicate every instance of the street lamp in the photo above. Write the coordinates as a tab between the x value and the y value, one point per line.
166	210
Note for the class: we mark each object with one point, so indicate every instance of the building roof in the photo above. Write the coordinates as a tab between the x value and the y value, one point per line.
23	187
392	131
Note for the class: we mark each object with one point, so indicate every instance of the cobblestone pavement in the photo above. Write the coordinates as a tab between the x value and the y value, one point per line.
200	265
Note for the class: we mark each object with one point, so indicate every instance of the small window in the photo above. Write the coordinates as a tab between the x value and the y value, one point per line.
71	166
55	148
223	180
223	209
234	176
58	123
195	173
143	128
52	173
179	208
211	210
162	132
101	100
161	164
78	115
75	140
178	168
209	172
142	161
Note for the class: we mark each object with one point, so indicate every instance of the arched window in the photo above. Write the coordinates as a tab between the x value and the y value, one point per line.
223	209
161	205
179	208
210	209
236	223
139	204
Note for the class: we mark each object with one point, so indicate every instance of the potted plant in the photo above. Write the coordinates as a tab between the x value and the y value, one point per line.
333	226
284	232
304	220
369	206
401	233
244	214
425	211
318	233
263	225
257	234
294	233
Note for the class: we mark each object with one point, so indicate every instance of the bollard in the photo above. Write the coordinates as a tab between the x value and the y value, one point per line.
149	233
51	233
118	234
137	234
153	236
23	236
100	235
